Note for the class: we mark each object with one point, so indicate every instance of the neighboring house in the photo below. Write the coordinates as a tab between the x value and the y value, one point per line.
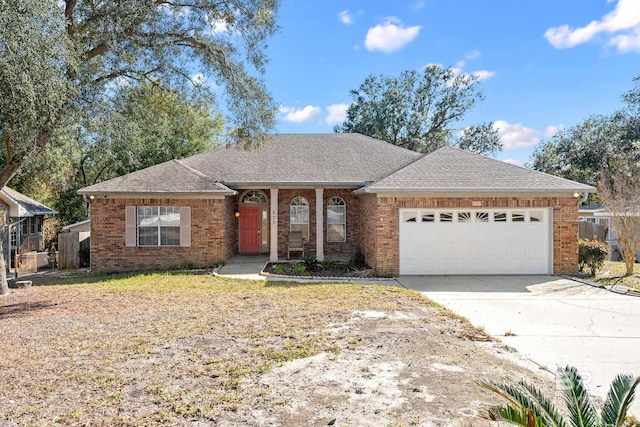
80	226
25	218
597	214
448	212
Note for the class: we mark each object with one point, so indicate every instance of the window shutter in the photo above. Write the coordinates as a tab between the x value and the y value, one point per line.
131	223
185	226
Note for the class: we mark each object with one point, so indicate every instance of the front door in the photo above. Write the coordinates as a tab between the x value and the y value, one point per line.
250	229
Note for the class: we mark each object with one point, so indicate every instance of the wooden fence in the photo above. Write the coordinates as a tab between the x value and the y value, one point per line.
70	246
592	231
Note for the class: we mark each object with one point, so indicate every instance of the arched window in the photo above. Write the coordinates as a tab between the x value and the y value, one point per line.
336	220
254	196
299	216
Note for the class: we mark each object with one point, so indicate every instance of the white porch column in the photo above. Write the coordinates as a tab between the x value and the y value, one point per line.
273	229
319	225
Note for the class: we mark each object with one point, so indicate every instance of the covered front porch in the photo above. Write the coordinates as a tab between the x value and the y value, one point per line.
267	216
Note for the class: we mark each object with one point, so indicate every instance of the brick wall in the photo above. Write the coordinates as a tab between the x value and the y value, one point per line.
336	249
109	252
231	226
380	227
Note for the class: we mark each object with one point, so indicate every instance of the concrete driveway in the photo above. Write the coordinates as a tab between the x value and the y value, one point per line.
553	321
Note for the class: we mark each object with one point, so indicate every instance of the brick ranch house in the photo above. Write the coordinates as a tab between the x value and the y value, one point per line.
448	212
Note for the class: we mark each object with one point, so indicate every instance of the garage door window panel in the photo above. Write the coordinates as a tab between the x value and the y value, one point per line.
499	217
518	216
464	217
409	216
482	217
446	217
428	217
536	216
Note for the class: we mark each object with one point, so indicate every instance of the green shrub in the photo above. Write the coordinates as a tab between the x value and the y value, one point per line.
290	269
280	269
298	270
591	254
312	264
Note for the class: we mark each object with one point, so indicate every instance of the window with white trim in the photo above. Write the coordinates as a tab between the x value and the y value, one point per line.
299	216
336	220
158	226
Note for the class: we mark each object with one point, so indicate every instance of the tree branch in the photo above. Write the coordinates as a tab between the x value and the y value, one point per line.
7	141
69	7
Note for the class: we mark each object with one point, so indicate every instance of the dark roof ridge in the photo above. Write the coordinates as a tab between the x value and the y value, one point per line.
193	170
406	165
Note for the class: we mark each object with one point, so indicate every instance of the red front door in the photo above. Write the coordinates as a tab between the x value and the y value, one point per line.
250	229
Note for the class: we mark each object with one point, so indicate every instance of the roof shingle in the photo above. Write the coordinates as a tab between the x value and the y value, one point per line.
452	169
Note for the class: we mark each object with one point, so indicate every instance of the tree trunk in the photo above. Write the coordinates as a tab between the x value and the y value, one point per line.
629	262
4	285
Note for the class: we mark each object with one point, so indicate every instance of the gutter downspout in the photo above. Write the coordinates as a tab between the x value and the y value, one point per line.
583	198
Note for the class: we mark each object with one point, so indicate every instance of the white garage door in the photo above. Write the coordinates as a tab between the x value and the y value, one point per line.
475	241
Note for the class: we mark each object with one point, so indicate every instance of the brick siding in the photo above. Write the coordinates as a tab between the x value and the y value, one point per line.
109	252
372	228
331	249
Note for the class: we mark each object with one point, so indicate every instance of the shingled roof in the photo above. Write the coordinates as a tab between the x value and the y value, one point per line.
341	159
170	177
23	206
285	159
450	169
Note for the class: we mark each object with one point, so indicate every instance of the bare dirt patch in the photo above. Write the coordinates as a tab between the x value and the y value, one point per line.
198	350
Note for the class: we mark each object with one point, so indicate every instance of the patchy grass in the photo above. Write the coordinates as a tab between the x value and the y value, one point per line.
167	348
612	273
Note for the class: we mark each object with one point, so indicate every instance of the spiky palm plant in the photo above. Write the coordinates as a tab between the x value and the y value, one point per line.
528	406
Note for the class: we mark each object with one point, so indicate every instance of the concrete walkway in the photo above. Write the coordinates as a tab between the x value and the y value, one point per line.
249	268
244	267
551	320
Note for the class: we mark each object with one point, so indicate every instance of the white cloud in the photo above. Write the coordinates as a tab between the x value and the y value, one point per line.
390	36
514	136
199	79
337	113
460	64
484	74
514	162
218	27
474	54
302	115
552	130
623	23
419	4
345	17
626	42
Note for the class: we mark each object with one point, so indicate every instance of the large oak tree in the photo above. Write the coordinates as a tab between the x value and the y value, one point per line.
58	58
417	110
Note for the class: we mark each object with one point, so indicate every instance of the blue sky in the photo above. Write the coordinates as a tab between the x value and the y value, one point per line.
544	64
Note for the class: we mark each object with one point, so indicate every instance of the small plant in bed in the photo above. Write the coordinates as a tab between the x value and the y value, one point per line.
313	267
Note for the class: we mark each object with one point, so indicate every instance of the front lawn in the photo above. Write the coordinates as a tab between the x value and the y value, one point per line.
612	273
153	349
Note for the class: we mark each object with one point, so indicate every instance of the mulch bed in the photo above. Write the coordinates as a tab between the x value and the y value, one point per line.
333	270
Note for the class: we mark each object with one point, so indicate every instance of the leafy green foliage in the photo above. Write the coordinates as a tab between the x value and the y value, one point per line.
580	153
417	110
35	59
600	143
312	264
591	254
526	399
